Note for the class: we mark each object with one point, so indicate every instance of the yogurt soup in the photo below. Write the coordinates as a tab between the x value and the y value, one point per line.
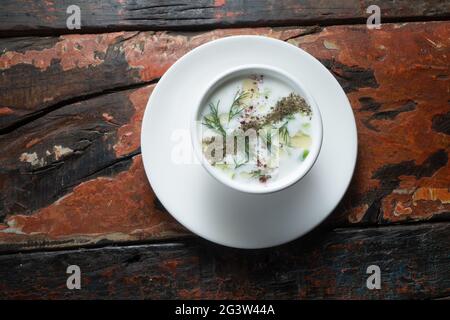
255	129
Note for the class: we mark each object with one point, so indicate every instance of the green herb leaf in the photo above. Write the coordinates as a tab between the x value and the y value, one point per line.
238	164
255	173
266	136
212	120
306	125
284	134
237	106
305	154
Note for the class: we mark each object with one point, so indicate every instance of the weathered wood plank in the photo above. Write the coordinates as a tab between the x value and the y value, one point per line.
81	154
35	76
30	17
414	262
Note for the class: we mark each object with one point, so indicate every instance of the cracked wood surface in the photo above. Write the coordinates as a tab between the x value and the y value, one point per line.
71	109
414	262
26	17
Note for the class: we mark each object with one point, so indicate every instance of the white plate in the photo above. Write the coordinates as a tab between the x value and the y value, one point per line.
214	211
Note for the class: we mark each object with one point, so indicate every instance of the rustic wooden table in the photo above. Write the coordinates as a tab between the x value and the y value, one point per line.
73	189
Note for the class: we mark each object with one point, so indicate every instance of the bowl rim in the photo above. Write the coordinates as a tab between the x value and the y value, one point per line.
293	177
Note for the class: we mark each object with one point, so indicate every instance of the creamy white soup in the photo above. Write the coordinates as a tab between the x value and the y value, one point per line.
255	129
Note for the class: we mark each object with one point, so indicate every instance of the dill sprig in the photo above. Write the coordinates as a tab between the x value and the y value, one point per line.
266	136
238	164
212	120
260	175
284	134
256	173
237	107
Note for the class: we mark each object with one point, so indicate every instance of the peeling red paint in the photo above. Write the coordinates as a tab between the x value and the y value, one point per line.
72	51
50	6
356	214
129	134
5	111
194	293
154	53
107	117
400	209
32	142
225	12
219	3
173	265
432	194
120	208
392	141
418	204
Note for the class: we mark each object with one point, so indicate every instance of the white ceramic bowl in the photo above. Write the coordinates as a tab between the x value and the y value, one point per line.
316	126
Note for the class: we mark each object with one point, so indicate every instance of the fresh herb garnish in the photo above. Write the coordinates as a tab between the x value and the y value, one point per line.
305	154
260	175
256	115
284	134
269	141
290	117
238	164
237	106
247	148
255	173
266	136
212	120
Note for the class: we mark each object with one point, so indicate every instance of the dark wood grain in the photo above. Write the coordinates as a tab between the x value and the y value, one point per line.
49	17
414	262
71	129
